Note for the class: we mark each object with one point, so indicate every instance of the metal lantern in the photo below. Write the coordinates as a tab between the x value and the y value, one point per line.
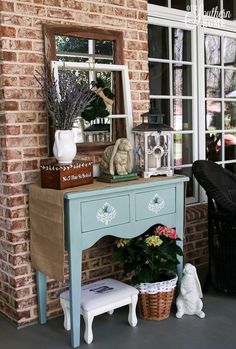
152	144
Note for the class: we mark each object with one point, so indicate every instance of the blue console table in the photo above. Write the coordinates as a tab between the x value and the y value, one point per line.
124	210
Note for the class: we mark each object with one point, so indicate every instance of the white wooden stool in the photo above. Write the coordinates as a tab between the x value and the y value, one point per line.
98	298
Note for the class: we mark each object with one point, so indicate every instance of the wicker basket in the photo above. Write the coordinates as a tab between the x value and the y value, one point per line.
155	299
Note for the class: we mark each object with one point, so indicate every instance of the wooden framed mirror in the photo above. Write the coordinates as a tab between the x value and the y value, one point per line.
92	46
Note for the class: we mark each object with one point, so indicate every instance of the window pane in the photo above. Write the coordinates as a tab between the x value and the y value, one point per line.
187	171
70	58
210	4
213	147
71	44
213	82
82	77
230	83
181	4
158	39
159	78
182	80
104	47
162	106
229	51
103	61
212	49
159	2
213	116
182	112
230	146
183	149
230	6
230	115
181	44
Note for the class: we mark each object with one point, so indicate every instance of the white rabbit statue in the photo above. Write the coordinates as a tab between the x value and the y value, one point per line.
189	299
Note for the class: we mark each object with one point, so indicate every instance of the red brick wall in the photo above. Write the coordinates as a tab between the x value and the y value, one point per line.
196	236
23	128
23	131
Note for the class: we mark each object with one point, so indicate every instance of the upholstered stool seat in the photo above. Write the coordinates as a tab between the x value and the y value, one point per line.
98	298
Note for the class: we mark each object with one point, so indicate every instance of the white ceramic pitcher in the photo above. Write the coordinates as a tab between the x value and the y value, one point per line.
64	147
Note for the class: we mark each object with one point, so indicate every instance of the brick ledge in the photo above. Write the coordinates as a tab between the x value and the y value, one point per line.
196	212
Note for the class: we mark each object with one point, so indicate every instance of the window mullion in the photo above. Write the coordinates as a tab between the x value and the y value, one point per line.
91	52
171	76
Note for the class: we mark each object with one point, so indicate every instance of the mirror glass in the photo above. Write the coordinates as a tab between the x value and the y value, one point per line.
96	129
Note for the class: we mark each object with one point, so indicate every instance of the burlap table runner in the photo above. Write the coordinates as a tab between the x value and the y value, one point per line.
47	230
46	208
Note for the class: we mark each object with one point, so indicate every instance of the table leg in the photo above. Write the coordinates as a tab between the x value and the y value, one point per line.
180	207
75	293
41	280
75	267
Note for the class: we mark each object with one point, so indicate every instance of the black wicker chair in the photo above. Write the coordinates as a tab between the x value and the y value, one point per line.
220	187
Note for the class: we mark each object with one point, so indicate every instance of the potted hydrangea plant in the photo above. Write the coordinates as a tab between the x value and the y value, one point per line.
150	260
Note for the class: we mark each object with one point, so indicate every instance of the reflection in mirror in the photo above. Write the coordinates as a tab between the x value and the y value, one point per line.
90	45
94	124
78	49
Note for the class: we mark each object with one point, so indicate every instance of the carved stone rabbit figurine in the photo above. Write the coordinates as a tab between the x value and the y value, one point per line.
116	159
189	300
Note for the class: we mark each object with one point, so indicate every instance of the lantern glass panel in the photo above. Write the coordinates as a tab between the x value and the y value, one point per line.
140	150
158	150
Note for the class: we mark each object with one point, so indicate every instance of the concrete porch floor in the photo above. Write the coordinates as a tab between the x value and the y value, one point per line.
217	330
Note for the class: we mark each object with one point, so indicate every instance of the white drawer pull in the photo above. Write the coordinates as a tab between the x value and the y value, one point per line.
156	204
106	213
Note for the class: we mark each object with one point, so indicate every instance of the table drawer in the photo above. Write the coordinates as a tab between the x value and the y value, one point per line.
105	212
154	203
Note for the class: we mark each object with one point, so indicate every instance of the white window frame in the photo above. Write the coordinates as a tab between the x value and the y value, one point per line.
174	24
160	15
123	69
169	12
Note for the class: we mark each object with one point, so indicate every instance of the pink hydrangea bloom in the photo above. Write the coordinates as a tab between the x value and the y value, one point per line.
166	231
